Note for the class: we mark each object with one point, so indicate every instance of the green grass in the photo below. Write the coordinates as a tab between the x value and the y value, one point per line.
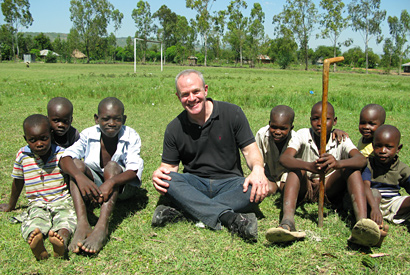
150	103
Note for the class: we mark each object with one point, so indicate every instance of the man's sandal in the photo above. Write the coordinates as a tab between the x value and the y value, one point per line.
365	232
286	232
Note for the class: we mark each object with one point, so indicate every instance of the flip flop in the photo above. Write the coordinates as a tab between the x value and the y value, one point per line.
282	235
365	232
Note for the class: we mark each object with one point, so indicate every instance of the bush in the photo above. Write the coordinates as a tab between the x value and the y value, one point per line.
51	57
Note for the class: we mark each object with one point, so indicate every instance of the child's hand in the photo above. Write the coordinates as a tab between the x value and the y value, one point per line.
339	135
5	207
327	162
88	189
106	190
376	216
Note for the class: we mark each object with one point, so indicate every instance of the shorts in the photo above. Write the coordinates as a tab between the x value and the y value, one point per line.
49	216
312	191
389	208
129	190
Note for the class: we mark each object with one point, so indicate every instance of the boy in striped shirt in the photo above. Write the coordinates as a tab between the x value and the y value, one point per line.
387	174
50	211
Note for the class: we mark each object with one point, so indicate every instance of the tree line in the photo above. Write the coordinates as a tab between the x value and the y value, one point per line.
216	37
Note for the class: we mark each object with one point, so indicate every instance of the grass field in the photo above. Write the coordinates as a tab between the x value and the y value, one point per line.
182	248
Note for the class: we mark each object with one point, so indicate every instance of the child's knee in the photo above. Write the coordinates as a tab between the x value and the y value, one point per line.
113	168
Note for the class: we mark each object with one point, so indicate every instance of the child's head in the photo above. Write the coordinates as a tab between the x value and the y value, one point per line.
110	116
371	117
316	118
281	122
386	143
37	133
60	114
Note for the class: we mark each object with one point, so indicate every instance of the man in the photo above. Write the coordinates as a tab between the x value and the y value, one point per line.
206	137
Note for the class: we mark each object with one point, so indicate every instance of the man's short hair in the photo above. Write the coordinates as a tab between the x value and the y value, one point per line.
188	72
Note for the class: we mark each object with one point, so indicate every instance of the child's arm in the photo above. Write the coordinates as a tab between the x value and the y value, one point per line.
85	185
118	180
355	161
375	213
339	135
288	160
16	188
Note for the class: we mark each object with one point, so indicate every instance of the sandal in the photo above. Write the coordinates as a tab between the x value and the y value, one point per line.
365	232
281	234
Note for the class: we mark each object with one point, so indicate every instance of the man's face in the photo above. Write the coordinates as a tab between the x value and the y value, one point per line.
316	119
110	119
38	138
192	94
279	127
385	147
60	118
368	124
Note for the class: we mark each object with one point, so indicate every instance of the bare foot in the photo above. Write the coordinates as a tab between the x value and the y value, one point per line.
95	241
58	243
81	233
36	242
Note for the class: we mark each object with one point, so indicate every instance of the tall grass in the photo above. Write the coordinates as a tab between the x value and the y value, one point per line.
150	104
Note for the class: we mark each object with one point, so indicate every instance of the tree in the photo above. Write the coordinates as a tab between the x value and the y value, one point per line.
203	17
299	16
144	22
366	19
41	42
388	54
237	26
324	52
399	30
283	48
352	56
216	33
167	19
91	18
17	14
6	43
334	23
256	30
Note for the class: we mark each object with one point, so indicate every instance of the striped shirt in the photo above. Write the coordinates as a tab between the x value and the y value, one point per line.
43	181
388	179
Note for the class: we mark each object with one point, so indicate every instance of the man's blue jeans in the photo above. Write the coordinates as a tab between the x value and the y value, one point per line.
206	199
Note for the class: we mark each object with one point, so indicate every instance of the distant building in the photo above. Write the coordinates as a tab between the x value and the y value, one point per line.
29	57
264	59
406	67
77	54
192	60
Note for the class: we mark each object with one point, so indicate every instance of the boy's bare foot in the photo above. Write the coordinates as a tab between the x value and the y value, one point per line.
95	241
36	242
81	233
58	243
384	228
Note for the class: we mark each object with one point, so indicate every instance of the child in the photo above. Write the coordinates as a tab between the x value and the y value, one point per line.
50	210
387	174
272	141
104	164
60	114
371	117
341	163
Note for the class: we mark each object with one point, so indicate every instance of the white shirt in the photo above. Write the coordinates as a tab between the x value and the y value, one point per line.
127	155
304	143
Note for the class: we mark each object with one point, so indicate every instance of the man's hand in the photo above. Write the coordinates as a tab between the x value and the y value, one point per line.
259	184
158	178
5	207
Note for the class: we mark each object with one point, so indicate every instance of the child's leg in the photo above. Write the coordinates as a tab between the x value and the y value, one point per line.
295	188
95	241
273	187
405	207
36	243
83	226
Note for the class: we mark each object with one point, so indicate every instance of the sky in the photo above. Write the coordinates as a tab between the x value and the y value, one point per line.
54	16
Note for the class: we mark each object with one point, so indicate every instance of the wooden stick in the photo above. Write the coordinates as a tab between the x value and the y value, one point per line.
323	132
